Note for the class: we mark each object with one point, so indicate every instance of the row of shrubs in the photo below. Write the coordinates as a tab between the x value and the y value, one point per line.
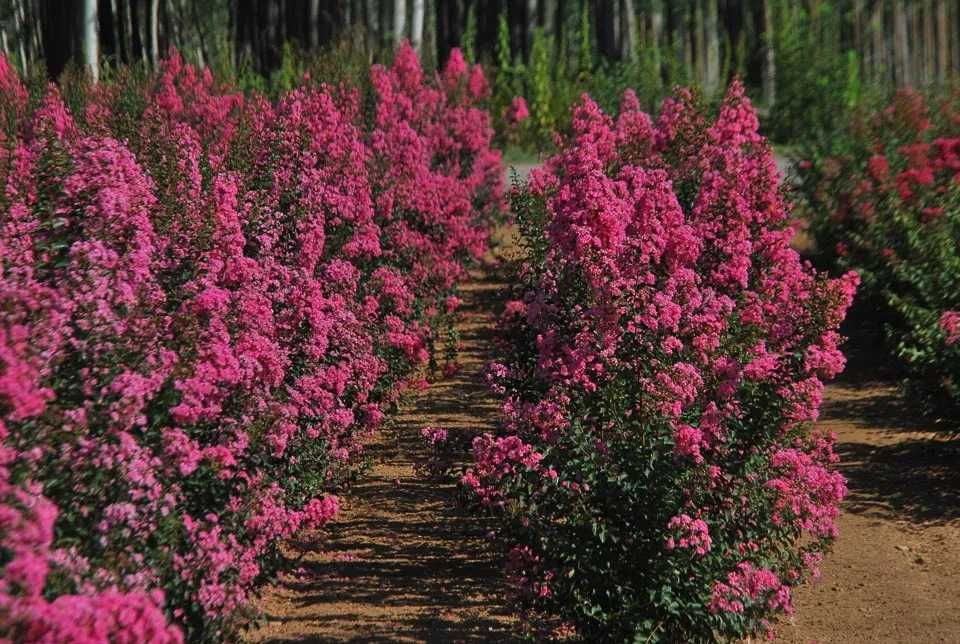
882	196
658	477
208	301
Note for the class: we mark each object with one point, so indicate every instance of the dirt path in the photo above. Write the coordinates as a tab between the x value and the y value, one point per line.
402	563
894	575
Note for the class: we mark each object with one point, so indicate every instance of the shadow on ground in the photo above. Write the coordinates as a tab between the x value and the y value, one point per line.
897	461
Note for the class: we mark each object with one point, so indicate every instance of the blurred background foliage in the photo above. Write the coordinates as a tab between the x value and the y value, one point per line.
806	63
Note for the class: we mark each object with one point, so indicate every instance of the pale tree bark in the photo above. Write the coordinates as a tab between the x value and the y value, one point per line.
616	31
18	27
656	29
685	44
879	62
91	48
712	26
955	49
769	56
313	29
858	47
628	17
901	48
700	38
550	17
372	11
153	27
416	25
916	43
929	44
399	20
943	42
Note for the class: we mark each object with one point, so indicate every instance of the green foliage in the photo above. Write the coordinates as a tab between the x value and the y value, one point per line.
470	36
817	80
541	84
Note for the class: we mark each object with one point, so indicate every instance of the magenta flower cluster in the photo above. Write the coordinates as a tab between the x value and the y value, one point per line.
207	304
658	472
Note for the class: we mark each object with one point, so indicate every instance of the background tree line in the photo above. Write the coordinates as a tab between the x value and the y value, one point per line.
787	51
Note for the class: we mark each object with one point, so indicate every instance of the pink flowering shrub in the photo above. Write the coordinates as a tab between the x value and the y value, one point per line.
658	478
440	457
209	302
883	199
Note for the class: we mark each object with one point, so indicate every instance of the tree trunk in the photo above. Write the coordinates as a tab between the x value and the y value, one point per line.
858	47
416	25
399	20
929	44
372	11
943	42
153	31
955	49
656	30
19	32
879	62
313	26
683	44
91	48
712	47
550	18
700	40
901	48
628	29
769	56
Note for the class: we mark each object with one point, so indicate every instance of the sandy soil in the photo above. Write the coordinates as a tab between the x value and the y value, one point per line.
894	575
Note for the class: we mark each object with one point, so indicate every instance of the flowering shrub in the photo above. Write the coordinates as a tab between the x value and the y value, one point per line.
438	463
207	304
886	202
658	479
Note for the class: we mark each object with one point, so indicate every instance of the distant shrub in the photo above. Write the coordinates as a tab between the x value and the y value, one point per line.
883	198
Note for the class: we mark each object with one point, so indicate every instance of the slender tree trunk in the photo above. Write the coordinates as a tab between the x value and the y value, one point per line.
153	31
712	47
955	49
858	47
313	26
901	48
656	30
372	11
550	18
929	44
628	29
943	42
91	42
879	44
20	34
918	46
700	40
416	25
683	43
769	56
399	20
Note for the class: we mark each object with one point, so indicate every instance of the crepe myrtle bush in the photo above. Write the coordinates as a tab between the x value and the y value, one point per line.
208	302
883	198
658	476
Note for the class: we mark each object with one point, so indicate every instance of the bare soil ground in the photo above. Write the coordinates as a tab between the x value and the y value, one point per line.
894	575
403	564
